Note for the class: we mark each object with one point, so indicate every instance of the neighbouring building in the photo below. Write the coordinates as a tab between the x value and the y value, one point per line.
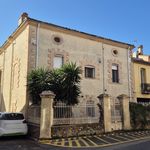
105	63
141	72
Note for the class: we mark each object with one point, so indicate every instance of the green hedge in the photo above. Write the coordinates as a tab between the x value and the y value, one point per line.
139	115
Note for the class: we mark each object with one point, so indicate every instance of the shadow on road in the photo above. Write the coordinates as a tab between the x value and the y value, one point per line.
12	138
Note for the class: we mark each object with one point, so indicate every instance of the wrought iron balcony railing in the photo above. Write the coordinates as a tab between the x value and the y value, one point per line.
145	88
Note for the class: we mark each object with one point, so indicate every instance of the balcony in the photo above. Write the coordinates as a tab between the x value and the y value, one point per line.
145	88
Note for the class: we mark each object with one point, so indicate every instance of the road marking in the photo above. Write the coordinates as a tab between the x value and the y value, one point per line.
113	139
85	143
101	139
70	143
75	138
139	135
133	135
58	142
97	140
77	142
63	142
92	142
122	137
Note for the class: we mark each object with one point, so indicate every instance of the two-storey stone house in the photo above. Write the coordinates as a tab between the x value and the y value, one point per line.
105	63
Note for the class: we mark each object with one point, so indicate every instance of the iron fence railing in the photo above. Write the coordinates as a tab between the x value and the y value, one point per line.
145	88
79	114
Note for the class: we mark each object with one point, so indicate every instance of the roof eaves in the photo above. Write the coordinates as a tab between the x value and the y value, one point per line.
141	61
100	37
65	28
11	36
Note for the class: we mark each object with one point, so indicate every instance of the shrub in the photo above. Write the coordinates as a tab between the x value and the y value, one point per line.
139	115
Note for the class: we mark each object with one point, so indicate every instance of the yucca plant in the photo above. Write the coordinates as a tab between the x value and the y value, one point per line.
71	83
37	82
64	82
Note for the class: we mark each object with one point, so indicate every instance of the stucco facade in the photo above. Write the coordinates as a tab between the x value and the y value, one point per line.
141	70
32	45
14	67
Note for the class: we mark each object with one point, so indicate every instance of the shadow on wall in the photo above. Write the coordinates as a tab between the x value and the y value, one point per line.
25	108
2	104
13	109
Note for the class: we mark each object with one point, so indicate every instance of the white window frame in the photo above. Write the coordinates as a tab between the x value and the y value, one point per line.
58	61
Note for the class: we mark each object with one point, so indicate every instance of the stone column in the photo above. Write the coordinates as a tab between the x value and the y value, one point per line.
125	111
46	114
106	104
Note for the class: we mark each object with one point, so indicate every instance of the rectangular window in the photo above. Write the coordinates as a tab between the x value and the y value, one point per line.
115	73
143	75
90	109
89	72
58	62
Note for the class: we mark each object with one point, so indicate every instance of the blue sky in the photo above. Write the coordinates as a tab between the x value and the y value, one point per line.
122	20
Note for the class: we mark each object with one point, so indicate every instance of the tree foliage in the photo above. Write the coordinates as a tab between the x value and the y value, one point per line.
140	115
37	82
71	81
64	82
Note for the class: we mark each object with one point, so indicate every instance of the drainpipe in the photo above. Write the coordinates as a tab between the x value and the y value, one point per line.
103	69
37	45
12	59
129	72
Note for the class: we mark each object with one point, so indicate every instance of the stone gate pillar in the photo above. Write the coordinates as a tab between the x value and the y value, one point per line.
106	105
46	114
125	111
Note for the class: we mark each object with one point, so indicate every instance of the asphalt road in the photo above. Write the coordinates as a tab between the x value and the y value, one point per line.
26	144
138	145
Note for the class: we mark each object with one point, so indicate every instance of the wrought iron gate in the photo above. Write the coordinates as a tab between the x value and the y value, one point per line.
116	114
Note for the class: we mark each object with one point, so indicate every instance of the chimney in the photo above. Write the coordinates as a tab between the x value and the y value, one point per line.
22	18
140	50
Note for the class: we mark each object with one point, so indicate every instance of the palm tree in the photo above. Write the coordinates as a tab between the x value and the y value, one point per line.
37	82
64	82
71	83
56	83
